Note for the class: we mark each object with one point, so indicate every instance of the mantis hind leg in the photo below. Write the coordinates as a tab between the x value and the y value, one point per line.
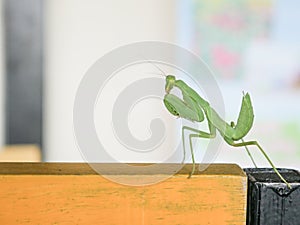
249	154
244	144
198	134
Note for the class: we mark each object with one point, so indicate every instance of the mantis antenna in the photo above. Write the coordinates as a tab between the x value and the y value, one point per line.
157	67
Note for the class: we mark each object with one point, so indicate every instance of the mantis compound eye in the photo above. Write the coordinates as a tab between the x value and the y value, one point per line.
170	81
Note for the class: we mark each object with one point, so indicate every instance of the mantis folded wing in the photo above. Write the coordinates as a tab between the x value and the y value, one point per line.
194	108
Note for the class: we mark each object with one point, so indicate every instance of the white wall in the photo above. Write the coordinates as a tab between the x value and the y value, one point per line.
77	33
2	85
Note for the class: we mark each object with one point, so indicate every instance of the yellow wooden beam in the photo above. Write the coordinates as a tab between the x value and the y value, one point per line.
73	193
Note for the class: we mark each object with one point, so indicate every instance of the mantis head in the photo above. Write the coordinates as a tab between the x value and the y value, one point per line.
170	81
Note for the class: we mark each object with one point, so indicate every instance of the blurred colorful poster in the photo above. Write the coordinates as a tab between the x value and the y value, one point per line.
224	29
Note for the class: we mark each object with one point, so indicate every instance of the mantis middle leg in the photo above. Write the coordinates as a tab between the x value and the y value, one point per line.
198	134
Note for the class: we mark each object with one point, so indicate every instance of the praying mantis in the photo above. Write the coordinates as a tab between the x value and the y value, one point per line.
194	108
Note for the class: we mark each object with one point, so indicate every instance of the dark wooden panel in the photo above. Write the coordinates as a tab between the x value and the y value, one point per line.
24	68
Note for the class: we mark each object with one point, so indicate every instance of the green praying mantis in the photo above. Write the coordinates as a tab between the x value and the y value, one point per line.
194	108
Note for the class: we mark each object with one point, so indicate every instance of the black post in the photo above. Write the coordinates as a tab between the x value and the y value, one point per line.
270	201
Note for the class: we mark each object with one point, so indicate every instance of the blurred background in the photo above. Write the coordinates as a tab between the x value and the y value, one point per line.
46	47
